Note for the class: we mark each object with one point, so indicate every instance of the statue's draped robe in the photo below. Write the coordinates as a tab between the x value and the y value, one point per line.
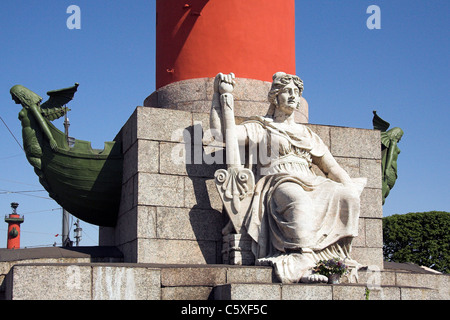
293	209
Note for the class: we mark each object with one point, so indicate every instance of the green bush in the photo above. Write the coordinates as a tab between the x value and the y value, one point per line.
422	238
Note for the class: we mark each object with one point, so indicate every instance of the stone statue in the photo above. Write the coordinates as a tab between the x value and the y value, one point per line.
389	153
84	181
294	217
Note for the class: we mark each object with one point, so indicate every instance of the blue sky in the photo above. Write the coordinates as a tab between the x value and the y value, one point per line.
400	70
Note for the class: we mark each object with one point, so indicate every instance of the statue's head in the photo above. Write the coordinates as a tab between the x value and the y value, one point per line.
282	82
24	96
396	133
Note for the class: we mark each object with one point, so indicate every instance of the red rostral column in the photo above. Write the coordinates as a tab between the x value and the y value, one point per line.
200	38
14	220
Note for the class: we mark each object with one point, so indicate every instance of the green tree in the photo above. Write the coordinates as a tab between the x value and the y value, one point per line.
422	238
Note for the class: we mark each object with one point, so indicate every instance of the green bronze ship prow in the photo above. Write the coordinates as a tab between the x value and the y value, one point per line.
86	182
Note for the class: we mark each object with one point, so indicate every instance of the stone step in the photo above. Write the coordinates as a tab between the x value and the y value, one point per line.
109	281
404	278
246	291
197	282
86	281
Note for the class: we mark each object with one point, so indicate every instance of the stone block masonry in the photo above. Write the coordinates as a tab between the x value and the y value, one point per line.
170	210
122	281
165	206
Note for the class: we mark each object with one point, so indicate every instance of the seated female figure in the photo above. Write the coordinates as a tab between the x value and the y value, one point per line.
296	217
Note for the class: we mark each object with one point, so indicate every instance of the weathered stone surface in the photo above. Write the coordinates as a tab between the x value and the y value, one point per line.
193	276
125	283
139	221
148	156
360	240
201	193
371	206
249	275
173	251
110	281
142	156
189	159
368	256
127	224
248	292
418	294
374	233
160	190
49	282
131	251
375	277
350	165
186	293
371	169
162	124
349	292
195	95
370	235
182	91
306	292
147	222
128	197
355	143
383	293
188	224
174	158
440	282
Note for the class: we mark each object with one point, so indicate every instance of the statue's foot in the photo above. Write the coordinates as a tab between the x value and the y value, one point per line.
314	278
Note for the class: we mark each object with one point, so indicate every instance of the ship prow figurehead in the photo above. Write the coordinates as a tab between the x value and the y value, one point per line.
86	182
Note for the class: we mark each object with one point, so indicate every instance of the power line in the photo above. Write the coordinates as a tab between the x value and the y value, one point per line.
12	134
33	232
43	233
19	182
40	211
12	156
25	193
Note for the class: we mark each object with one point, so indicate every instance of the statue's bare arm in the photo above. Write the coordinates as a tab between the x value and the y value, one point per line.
40	120
328	164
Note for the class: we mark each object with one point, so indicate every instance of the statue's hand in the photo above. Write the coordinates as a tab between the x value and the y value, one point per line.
53	144
224	83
